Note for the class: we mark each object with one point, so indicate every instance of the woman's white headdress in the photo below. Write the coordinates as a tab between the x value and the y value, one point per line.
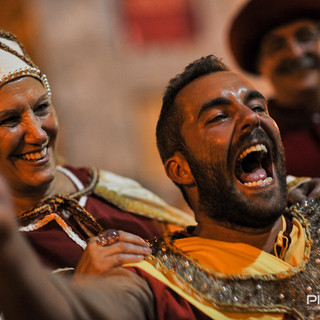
15	62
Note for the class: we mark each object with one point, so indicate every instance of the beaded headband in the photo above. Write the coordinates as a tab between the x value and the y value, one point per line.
15	62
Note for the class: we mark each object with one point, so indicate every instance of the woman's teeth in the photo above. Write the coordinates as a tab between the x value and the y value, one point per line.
35	155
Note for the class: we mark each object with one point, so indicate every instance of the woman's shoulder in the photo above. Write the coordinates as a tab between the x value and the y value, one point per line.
84	174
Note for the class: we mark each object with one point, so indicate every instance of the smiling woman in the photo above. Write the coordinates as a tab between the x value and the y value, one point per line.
60	208
28	127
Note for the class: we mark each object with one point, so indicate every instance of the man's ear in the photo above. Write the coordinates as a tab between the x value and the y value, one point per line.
178	170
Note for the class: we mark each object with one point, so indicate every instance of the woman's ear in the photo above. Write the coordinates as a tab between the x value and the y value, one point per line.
178	170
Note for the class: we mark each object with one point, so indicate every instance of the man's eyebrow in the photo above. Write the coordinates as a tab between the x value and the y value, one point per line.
213	103
253	94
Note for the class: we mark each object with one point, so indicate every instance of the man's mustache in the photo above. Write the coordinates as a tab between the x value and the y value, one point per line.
256	134
289	66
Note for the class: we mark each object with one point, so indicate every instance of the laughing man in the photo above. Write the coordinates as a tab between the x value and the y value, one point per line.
248	257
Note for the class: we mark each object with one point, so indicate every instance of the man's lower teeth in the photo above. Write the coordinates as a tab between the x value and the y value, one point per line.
258	183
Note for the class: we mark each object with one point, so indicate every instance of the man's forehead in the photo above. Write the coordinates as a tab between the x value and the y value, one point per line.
213	84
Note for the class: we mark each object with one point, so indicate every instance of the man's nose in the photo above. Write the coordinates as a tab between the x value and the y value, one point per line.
249	119
294	47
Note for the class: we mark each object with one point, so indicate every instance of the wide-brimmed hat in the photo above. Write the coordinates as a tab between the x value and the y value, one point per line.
15	62
257	18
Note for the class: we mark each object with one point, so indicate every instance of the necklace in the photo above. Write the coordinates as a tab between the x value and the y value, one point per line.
65	205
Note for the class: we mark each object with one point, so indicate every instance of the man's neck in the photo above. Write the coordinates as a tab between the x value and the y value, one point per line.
263	238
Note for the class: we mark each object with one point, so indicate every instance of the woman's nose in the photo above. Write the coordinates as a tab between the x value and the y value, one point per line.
34	133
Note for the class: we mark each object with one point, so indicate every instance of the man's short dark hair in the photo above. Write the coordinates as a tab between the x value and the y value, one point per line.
168	132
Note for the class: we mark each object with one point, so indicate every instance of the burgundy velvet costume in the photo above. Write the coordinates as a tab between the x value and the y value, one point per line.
57	250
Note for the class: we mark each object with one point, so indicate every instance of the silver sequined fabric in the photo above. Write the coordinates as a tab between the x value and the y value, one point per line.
284	292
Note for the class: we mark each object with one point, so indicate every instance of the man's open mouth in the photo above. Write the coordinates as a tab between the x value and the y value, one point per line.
254	166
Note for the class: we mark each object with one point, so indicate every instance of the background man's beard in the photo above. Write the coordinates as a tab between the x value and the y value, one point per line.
223	203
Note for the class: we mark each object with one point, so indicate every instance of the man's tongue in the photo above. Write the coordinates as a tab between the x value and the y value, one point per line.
254	176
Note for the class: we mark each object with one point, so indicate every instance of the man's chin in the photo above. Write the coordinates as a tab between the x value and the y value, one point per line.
256	209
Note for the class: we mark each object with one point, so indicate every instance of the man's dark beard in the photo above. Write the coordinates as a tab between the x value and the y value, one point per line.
291	65
222	201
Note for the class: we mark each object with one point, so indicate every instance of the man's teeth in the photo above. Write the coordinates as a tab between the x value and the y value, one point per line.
258	183
258	147
35	155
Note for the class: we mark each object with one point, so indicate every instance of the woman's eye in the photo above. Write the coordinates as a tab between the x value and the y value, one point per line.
41	109
10	121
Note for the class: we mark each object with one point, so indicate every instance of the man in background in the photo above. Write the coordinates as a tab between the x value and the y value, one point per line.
279	40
